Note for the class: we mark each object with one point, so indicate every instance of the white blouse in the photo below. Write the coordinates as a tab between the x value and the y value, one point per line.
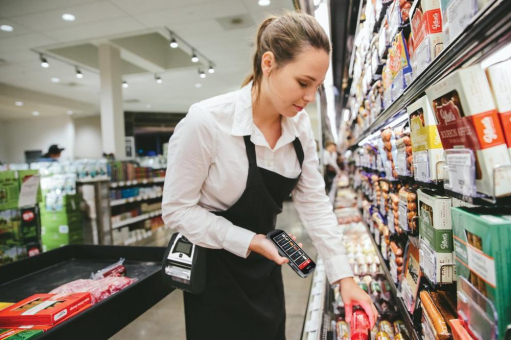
208	167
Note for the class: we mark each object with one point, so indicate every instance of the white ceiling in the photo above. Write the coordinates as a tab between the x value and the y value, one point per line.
38	25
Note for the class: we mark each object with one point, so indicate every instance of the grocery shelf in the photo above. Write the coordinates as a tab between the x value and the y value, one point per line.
122	201
406	315
92	180
135	219
136	182
490	24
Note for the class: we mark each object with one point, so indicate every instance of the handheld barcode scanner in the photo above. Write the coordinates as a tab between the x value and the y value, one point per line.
299	261
184	265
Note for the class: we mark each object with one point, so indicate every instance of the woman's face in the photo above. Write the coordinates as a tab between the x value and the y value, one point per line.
291	87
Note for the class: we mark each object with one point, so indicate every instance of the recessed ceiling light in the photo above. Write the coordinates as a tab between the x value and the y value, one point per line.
55	80
70	112
68	17
36	113
18	103
198	85
148	106
6	28
264	3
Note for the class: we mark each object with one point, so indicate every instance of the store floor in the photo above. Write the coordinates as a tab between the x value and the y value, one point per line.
166	319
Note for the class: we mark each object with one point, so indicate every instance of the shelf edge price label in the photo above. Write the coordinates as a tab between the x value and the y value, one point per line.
461	171
403	216
421	163
401	163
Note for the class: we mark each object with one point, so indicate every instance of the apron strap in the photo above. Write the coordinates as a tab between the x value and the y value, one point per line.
299	151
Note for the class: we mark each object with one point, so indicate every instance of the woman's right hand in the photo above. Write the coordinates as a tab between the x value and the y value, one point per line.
261	245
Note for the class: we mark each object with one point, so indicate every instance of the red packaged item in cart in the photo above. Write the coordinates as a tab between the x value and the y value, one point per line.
360	325
43	309
117	269
99	289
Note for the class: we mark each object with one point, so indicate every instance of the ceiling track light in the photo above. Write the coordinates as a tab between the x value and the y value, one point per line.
195	59
125	84
202	74
44	62
211	69
79	73
158	79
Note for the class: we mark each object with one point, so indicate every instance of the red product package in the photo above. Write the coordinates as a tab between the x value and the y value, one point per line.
99	289
360	325
45	328
43	309
116	269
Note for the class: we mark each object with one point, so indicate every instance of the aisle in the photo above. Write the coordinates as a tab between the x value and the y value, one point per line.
166	319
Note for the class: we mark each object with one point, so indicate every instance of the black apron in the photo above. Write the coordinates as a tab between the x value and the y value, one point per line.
244	298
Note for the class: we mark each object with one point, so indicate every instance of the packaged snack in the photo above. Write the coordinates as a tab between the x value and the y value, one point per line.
433	319
343	330
43	309
482	237
115	270
408	210
426	144
467	118
360	325
18	334
499	77
412	276
9	190
427	33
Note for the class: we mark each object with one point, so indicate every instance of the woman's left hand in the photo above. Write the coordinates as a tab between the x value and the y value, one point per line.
351	295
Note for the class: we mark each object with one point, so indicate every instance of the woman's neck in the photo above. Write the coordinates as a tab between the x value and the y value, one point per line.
263	114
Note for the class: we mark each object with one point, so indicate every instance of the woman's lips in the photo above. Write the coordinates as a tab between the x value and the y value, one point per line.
298	108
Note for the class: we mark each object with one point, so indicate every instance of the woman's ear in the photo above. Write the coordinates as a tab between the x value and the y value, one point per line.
268	62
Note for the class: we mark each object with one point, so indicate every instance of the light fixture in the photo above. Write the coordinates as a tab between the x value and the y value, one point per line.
158	79
44	62
264	3
68	17
55	80
18	103
125	84
198	85
202	74
148	106
79	73
70	112
195	59
173	43
211	69
36	113
6	28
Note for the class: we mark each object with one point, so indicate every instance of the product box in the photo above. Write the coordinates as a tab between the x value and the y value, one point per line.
9	190
467	118
43	309
427	33
482	239
19	334
426	144
499	77
456	15
438	267
435	221
412	275
5	305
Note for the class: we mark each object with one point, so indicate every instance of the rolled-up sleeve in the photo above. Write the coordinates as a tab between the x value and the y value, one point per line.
316	214
191	151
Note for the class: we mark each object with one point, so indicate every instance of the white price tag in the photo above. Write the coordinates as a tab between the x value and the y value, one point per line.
421	164
388	170
382	206
28	193
461	168
403	216
392	227
401	163
384	250
377	236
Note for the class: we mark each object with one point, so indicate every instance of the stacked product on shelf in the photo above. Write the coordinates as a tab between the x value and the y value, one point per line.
19	226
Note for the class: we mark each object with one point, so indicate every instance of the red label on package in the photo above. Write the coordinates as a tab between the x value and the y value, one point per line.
433	21
488	129
425	24
505	119
28	216
477	132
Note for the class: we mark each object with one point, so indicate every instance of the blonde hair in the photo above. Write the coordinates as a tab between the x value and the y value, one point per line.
286	36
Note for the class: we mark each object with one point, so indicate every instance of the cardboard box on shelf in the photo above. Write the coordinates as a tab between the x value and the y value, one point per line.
467	118
482	239
9	190
43	309
499	76
427	33
426	143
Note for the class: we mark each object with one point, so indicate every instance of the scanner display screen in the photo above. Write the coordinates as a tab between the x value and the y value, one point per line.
182	247
292	250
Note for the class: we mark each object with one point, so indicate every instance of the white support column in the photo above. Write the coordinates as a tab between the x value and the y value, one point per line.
112	114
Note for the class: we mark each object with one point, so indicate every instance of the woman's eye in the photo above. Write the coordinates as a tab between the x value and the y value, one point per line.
302	84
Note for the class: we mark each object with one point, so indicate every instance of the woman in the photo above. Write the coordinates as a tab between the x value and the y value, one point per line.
232	162
331	167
